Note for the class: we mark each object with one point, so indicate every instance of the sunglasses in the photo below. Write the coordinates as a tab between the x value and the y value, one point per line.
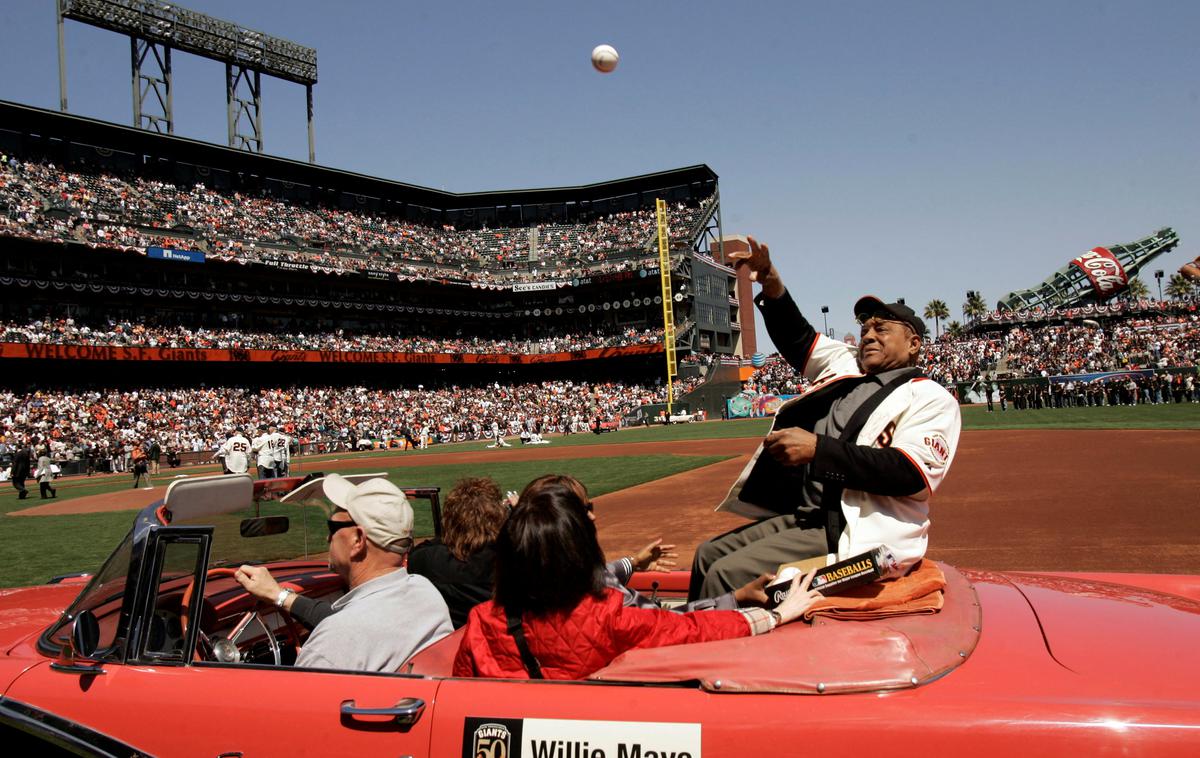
334	526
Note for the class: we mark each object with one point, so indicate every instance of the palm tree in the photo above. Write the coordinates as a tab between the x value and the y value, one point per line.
1179	287
936	310
1137	289
954	329
976	306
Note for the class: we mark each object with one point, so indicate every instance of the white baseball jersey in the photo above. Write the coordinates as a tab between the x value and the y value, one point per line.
237	454
262	451
279	442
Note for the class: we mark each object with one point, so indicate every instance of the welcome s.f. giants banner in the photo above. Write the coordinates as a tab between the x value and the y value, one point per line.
1104	271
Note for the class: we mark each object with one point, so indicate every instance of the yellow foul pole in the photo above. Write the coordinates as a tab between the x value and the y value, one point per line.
664	268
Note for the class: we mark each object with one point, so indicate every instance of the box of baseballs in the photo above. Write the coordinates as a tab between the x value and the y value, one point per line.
832	579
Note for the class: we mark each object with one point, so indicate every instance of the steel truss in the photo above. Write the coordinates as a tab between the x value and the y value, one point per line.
157	28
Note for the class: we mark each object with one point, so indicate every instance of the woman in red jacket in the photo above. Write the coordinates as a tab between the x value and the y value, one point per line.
552	616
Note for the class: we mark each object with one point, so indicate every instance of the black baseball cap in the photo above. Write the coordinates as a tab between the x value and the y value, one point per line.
870	306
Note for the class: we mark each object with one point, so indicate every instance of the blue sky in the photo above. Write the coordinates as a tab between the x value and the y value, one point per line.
906	149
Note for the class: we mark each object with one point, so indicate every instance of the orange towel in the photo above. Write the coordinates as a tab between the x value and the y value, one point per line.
919	591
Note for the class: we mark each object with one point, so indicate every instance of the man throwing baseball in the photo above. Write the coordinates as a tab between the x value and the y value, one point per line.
851	464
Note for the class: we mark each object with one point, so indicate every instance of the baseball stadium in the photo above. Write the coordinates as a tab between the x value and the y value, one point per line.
179	312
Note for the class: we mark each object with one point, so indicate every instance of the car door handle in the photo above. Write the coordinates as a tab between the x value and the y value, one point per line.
404	713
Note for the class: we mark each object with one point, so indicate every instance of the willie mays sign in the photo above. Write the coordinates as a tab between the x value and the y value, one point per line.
1103	270
569	738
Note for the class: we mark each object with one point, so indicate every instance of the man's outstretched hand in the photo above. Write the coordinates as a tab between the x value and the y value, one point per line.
758	259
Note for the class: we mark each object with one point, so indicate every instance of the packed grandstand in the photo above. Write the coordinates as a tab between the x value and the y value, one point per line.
351	312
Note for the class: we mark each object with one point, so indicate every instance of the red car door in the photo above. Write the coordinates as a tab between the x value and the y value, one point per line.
212	710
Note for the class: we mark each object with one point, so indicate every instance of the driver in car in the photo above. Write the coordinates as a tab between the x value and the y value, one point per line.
388	614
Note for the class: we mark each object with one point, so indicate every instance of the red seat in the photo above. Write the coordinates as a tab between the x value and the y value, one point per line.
437	659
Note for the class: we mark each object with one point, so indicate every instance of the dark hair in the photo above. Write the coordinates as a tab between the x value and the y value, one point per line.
472	516
556	480
547	554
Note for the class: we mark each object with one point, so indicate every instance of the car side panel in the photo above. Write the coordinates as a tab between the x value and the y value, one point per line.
1010	697
214	710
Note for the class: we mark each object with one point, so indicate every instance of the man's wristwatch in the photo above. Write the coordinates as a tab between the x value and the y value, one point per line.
283	596
777	616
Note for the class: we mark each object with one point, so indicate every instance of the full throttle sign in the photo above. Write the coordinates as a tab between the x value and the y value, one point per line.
1104	271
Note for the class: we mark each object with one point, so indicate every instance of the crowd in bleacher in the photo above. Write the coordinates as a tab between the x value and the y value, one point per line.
199	419
1163	341
43	201
1158	342
292	335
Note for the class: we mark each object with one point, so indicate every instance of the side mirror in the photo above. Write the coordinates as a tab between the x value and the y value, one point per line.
85	635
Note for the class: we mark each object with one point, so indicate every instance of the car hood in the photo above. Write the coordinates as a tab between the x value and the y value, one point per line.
1129	637
29	610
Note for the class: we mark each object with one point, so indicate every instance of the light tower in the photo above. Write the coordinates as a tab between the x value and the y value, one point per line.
155	29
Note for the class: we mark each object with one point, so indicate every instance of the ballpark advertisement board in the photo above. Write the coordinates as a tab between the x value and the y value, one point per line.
171	254
237	355
1104	271
570	738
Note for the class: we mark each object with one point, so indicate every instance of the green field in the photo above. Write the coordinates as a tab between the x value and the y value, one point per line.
38	547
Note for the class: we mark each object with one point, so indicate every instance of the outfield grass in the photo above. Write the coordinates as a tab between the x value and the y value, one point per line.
1174	416
38	547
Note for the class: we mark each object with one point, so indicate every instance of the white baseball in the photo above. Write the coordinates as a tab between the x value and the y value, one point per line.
605	58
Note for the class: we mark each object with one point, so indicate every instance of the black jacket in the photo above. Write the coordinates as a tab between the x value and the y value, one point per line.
21	463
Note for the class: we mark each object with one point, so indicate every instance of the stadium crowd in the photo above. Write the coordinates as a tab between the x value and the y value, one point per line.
1167	340
103	423
289	335
1157	342
40	200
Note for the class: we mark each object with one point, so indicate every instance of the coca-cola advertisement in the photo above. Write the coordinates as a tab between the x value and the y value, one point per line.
1105	272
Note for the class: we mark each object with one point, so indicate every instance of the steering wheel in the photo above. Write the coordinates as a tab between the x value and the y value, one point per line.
227	650
186	601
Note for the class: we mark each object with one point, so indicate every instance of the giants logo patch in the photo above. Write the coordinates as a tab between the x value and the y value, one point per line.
492	738
938	447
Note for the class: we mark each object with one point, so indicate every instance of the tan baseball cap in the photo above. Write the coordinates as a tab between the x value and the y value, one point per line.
378	506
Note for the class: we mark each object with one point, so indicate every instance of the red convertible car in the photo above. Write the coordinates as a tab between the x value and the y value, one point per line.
162	653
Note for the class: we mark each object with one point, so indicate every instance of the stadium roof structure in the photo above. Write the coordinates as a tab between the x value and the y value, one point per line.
1096	276
621	194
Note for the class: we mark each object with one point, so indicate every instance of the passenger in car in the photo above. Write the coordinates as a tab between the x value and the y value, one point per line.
471	519
388	614
461	564
554	617
653	557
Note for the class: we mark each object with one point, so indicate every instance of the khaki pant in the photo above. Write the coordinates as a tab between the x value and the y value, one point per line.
732	559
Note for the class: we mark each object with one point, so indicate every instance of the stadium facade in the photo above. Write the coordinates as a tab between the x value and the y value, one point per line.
120	221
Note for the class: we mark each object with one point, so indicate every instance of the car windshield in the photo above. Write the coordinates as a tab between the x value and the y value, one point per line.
265	531
102	596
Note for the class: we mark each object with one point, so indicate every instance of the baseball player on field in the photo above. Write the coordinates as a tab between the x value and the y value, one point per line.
263	457
236	452
280	450
851	464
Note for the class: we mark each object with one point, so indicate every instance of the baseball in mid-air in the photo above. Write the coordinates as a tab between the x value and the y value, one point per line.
605	58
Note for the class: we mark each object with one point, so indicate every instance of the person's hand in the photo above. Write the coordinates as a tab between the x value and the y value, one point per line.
791	447
799	599
258	581
758	260
654	557
753	592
